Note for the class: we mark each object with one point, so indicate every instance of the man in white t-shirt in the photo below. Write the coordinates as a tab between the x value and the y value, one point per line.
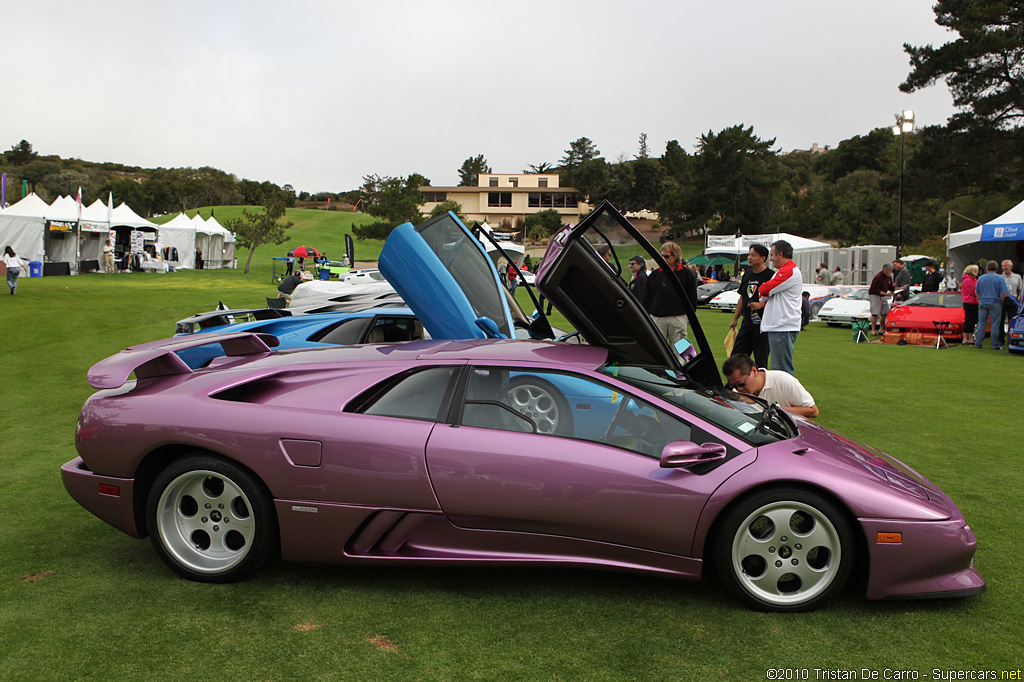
772	385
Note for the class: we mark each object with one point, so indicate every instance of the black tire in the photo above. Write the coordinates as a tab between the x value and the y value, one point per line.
834	324
211	520
784	550
543	403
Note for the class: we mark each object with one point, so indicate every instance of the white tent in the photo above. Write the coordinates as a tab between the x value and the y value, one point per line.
739	246
806	252
223	244
94	232
999	239
124	216
22	226
179	237
60	241
203	241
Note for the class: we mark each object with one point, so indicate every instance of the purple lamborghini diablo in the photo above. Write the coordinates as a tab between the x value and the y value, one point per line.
619	453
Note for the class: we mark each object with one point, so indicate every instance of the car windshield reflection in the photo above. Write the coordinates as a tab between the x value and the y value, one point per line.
730	411
935	300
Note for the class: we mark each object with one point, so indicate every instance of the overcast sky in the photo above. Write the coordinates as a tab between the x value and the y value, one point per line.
318	93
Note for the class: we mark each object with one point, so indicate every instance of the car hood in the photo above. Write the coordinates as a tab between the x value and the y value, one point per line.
445	276
593	297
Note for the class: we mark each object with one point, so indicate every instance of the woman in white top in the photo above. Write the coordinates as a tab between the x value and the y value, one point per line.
14	266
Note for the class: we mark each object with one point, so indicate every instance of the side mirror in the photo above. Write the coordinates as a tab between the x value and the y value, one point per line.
683	453
686	350
489	327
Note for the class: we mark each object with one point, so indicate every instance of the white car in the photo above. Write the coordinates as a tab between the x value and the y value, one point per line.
846	309
725	301
728	300
852	306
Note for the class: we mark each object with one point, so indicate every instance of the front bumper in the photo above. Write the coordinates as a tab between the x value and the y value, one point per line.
935	559
109	498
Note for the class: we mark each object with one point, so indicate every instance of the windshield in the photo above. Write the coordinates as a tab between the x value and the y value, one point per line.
935	300
464	258
711	288
736	414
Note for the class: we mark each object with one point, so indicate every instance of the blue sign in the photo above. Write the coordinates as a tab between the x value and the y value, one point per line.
1002	233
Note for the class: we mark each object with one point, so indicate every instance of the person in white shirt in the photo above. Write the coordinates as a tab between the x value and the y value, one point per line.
781	299
14	266
772	385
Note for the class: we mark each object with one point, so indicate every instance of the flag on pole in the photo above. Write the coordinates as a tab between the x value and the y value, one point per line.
110	208
328	203
79	200
3	191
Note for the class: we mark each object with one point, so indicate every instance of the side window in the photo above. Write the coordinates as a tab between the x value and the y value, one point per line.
567	405
395	329
345	333
416	396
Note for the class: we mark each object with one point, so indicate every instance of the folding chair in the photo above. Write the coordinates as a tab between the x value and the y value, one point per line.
941	326
860	331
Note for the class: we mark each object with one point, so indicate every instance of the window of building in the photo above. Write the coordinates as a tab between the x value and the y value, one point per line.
492	181
542	182
514	182
434	196
499	199
533	201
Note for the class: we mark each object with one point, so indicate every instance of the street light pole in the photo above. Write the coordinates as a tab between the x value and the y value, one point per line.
904	124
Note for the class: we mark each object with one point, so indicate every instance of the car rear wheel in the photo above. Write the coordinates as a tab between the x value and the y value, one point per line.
211	520
785	550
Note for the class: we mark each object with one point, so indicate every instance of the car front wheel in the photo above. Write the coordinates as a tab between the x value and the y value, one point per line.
210	520
785	550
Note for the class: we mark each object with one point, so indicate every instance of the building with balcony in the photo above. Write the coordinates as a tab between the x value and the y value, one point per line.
499	197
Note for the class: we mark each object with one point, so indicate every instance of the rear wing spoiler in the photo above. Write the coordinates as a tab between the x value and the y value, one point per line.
158	358
217	318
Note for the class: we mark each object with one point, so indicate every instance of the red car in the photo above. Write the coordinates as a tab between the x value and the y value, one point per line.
922	312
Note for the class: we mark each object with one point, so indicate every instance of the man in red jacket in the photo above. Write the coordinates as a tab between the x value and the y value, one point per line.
781	302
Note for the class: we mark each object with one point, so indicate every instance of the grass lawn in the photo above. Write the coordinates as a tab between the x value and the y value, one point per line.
79	599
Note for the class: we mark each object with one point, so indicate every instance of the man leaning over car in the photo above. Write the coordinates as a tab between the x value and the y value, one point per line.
772	385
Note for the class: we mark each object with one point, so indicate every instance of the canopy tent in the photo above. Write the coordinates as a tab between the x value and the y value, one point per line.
739	246
60	240
806	252
227	243
95	229
203	239
998	239
124	216
22	226
179	239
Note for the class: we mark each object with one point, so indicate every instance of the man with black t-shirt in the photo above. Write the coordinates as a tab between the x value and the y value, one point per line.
749	340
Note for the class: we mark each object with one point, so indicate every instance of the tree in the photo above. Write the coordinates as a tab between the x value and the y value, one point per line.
548	220
644	152
35	171
445	206
254	229
21	153
736	180
984	67
580	150
397	200
469	173
538	168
